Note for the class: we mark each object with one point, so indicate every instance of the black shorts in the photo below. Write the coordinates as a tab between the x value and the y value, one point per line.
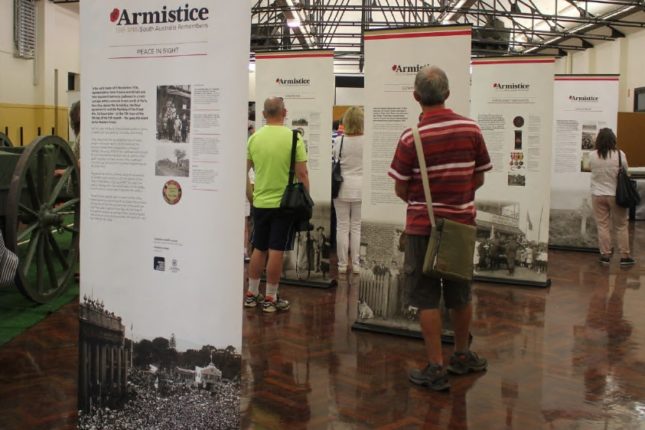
272	230
425	292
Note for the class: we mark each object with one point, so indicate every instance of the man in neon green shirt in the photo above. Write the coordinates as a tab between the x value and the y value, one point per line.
269	154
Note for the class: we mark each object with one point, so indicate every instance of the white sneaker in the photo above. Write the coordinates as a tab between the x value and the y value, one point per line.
342	270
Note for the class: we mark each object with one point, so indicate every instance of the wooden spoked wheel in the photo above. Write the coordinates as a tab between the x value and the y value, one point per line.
43	218
5	142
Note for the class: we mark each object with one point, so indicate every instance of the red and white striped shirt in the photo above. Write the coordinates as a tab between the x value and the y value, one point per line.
455	150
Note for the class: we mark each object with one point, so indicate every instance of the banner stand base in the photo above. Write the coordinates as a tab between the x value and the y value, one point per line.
518	282
574	248
323	285
447	336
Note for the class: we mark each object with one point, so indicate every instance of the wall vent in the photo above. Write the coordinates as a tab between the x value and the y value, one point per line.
24	28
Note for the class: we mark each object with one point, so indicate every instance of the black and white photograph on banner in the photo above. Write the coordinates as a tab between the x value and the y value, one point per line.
589	132
381	290
307	123
172	160
572	223
173	113
310	258
516	180
508	244
156	381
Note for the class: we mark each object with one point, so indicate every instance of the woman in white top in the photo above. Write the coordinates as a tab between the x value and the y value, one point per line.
604	172
348	203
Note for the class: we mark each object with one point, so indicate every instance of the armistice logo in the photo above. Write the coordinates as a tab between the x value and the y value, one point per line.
511	87
181	14
397	68
590	99
293	81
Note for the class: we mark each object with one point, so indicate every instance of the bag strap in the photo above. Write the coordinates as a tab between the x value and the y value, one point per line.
292	166
340	150
620	161
424	173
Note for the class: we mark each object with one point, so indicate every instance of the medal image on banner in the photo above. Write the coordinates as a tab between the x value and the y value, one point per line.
172	192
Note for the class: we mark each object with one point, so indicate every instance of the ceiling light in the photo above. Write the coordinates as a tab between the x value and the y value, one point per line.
293	23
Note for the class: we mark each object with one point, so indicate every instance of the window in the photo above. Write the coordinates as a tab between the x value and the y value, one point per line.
639	99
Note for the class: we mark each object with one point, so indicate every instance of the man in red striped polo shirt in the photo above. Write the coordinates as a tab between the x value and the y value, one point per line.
456	158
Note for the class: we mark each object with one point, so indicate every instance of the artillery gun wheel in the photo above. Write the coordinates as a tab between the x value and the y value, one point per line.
43	218
5	142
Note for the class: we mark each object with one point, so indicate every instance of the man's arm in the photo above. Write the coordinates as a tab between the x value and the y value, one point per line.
479	180
249	185
302	174
401	189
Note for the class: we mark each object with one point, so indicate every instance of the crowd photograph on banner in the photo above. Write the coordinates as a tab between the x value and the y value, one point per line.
509	242
310	259
131	380
381	289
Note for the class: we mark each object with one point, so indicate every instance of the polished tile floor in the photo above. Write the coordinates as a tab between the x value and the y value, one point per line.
568	357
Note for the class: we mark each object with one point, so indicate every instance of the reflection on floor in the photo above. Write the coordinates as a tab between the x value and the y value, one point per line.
571	356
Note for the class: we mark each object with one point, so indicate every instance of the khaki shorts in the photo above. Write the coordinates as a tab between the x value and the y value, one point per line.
425	292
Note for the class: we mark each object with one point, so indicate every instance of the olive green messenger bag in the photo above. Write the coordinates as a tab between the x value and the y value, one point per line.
452	244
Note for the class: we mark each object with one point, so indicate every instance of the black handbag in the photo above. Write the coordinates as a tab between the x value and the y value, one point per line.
626	192
296	201
336	175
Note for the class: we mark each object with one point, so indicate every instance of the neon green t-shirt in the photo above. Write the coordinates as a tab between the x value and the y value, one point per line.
270	150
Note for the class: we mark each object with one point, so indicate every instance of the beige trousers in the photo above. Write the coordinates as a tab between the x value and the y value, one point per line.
607	212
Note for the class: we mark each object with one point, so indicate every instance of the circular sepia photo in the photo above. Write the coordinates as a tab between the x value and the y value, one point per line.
518	121
172	192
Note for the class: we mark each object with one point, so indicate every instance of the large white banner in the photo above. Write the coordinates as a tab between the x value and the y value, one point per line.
512	101
392	60
582	105
305	80
164	106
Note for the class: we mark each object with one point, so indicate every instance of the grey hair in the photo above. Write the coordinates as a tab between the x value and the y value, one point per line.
273	106
431	84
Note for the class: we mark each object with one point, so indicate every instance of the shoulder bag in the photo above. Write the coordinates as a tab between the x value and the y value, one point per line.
626	190
336	175
296	200
452	244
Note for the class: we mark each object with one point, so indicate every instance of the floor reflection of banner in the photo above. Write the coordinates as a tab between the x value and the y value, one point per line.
582	105
305	79
512	103
161	324
392	60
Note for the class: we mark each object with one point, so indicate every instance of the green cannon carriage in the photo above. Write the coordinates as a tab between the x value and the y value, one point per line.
40	213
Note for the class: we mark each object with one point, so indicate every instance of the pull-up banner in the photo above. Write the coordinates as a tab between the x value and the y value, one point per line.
582	105
512	101
305	80
392	60
164	107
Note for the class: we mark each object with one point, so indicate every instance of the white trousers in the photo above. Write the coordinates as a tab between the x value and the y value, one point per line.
348	224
